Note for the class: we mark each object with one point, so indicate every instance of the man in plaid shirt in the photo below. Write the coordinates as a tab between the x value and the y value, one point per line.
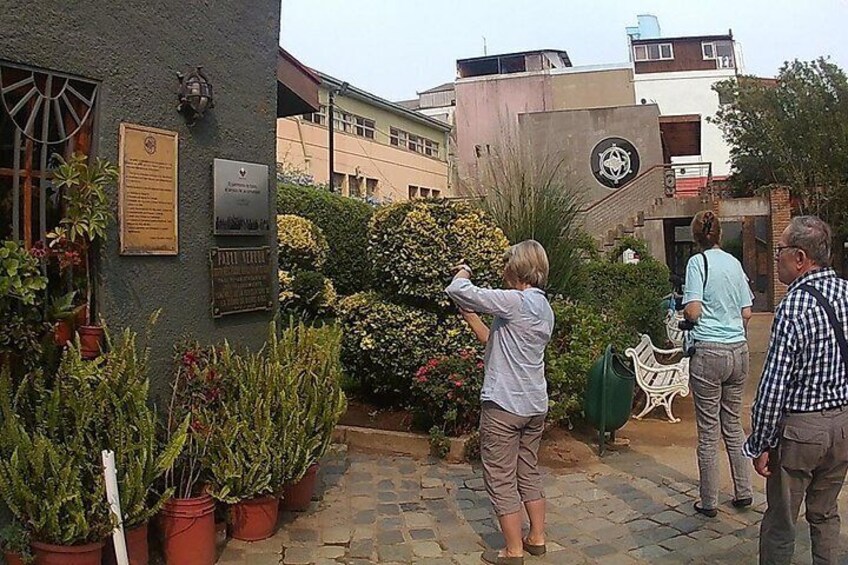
799	440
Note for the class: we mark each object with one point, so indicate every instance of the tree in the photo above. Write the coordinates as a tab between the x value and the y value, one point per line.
791	131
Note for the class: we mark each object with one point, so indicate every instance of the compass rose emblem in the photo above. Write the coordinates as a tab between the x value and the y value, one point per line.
615	162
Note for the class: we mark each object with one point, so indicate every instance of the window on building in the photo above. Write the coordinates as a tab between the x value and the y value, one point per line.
412	142
412	191
424	192
319	117
371	187
338	182
653	52
435	193
415	143
708	49
724	55
343	121
363	127
431	148
354	186
397	137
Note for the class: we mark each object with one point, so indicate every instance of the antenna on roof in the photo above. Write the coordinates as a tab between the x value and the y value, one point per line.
485	50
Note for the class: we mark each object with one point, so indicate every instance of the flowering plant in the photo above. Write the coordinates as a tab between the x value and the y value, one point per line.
446	392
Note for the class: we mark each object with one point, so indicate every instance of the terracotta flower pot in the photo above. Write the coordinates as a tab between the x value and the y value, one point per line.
188	531
63	332
255	519
91	341
137	550
297	496
49	554
12	558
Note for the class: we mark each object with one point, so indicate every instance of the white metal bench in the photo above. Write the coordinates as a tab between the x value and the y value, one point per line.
661	382
674	333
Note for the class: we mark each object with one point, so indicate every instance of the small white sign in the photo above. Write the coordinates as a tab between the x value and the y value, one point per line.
242	206
630	257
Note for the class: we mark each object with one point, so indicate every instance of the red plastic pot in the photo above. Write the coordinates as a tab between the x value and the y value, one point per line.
188	531
49	554
12	558
255	519
297	496
137	549
91	341
63	332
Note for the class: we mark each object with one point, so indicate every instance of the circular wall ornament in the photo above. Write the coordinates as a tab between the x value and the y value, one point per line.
615	162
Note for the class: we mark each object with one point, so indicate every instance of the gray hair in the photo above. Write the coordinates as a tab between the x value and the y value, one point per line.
527	262
812	235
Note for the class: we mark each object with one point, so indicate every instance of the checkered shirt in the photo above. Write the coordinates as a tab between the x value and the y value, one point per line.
804	370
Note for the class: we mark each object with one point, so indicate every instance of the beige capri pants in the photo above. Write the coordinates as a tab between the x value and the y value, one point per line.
509	447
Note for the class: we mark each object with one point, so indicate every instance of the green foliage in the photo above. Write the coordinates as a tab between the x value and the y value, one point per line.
21	280
414	244
532	199
581	334
307	294
628	242
385	343
301	244
793	132
446	392
439	443
14	538
22	295
87	208
344	222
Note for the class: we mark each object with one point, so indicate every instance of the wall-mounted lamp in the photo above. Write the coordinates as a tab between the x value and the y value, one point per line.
195	95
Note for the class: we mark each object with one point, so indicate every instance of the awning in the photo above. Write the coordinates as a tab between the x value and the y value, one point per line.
681	135
297	86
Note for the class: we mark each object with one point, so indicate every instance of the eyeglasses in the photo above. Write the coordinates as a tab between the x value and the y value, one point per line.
779	249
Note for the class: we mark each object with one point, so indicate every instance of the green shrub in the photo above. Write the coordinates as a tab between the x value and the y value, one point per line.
301	244
414	244
446	392
344	222
631	293
581	333
384	344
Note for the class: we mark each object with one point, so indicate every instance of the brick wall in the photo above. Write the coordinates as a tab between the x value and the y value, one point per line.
780	209
623	205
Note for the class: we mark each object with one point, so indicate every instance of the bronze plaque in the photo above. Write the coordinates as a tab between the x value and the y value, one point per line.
147	200
242	280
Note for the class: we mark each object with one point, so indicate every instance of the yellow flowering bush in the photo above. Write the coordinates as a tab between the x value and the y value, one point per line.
301	244
385	343
414	244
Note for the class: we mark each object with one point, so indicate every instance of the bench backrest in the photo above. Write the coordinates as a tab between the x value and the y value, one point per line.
645	352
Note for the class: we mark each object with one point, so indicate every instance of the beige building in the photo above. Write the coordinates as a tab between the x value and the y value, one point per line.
382	150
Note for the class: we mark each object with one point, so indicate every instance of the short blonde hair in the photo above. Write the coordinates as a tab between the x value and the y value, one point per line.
527	263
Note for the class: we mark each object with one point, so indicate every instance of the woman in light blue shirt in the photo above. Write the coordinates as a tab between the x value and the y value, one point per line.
514	395
717	297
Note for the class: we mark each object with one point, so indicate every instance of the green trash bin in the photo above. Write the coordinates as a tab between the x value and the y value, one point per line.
609	394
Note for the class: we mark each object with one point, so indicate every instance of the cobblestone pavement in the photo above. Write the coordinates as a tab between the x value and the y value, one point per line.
384	509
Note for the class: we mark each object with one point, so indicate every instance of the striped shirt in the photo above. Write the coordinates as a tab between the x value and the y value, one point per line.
804	370
514	361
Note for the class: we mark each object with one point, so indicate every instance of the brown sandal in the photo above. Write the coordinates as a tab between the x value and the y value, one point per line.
534	550
494	558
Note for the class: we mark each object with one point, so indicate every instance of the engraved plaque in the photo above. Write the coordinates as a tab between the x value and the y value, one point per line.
242	280
147	200
242	204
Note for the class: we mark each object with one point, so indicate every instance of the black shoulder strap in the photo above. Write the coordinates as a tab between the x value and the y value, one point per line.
706	268
834	321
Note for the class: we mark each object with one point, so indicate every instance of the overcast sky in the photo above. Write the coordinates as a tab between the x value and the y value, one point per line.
395	48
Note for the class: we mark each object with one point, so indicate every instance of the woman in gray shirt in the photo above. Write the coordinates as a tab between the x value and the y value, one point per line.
514	395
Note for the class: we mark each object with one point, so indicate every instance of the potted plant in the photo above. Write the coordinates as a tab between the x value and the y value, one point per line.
244	453
87	214
61	313
51	482
187	519
311	357
21	300
140	458
15	544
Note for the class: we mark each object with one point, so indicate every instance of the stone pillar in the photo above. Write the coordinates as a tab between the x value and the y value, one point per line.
781	213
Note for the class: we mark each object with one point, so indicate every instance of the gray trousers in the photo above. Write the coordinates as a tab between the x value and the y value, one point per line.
809	463
509	448
717	374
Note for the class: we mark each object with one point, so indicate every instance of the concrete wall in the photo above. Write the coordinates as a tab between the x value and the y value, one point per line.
487	108
303	144
136	49
690	92
572	134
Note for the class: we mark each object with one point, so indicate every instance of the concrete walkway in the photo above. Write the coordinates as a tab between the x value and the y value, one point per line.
627	509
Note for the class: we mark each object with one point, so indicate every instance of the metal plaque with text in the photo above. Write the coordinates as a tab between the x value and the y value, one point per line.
242	204
242	280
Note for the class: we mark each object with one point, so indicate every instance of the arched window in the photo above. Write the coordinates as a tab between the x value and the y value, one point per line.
41	113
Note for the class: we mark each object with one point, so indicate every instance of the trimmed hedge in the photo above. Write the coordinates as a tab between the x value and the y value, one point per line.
384	344
414	244
344	222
